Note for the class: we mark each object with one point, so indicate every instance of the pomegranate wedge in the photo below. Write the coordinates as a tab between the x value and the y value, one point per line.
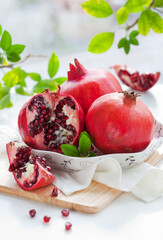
30	171
136	81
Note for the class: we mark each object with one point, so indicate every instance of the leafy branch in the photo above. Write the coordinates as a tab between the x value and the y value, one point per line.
149	18
16	78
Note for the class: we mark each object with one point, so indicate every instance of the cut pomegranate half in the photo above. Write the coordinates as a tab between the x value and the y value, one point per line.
136	81
30	171
49	119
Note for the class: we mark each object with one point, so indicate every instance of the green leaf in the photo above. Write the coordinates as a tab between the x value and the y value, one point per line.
70	150
97	8
44	84
158	3
84	144
0	29
10	79
6	40
35	76
13	57
20	90
14	77
122	15
5	102
3	91
60	80
16	48
134	33
53	65
84	133
91	154
143	23
2	60
134	6
101	42
21	75
127	47
133	41
122	42
156	22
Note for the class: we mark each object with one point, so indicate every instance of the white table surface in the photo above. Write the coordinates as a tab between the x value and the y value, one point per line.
127	217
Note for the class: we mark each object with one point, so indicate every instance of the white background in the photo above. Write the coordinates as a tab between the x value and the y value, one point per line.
126	217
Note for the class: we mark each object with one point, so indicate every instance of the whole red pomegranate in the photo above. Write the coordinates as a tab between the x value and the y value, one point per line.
136	81
86	85
50	119
29	171
120	123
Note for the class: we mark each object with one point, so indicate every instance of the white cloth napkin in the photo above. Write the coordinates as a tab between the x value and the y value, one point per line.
142	179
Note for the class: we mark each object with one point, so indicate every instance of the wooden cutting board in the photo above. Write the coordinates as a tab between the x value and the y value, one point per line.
90	200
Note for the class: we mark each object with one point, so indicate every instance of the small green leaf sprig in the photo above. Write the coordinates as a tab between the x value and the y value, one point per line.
84	148
149	18
16	78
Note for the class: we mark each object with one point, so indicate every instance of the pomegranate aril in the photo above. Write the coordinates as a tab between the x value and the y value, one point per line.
63	124
65	212
48	168
11	167
53	145
68	225
42	107
69	127
35	122
50	130
31	125
55	192
46	219
43	112
32	134
56	127
70	138
32	213
46	142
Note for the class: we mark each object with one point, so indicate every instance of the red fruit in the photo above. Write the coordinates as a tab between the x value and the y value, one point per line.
30	171
87	85
68	226
134	80
46	219
65	212
120	123
54	192
50	119
32	213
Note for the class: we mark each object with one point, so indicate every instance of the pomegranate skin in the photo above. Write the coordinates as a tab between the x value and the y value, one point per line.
88	85
120	124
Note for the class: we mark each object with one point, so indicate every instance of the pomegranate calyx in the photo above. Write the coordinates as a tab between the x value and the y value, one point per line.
131	95
76	71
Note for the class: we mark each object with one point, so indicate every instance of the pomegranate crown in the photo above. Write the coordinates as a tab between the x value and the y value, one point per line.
131	95
76	71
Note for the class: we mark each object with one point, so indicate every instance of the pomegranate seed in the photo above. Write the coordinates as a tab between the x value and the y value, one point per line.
55	192
46	219
65	212
68	226
32	213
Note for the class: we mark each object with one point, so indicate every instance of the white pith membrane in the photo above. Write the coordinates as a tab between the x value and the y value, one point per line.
27	171
64	120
